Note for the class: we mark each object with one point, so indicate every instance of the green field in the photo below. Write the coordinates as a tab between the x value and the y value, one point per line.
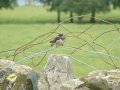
23	24
30	15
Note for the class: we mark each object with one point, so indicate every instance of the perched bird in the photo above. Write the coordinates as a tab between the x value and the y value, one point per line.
58	40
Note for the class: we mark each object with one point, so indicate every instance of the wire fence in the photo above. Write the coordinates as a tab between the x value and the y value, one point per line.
85	44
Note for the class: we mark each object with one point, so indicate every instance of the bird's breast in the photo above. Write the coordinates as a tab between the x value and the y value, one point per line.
59	42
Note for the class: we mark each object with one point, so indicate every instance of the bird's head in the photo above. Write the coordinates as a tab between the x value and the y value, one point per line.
61	36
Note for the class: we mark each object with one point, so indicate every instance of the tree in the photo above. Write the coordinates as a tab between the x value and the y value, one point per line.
79	7
75	6
46	2
54	5
64	5
7	3
97	6
90	6
67	6
116	3
86	6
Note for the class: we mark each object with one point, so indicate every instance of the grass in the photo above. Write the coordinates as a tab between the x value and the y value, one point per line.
28	15
15	31
34	14
15	35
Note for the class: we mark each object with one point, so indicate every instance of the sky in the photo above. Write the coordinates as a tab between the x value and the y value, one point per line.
22	3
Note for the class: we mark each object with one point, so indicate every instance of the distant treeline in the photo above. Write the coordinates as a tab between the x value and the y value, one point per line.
81	7
78	7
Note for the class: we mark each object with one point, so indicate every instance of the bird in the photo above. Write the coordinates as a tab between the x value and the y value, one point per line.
58	40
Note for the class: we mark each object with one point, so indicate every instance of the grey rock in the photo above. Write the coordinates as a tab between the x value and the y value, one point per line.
73	84
57	71
104	80
17	77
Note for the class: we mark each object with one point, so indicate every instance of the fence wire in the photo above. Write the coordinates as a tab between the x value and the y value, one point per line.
89	46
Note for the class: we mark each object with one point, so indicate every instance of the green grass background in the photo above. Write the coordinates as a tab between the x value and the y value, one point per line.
35	14
23	24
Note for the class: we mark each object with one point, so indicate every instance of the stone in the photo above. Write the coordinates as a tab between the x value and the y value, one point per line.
104	80
73	84
56	75
98	84
17	77
57	70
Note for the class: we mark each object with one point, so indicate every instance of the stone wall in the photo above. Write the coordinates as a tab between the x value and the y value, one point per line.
56	75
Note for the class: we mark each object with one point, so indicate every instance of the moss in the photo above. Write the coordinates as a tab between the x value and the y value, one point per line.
21	82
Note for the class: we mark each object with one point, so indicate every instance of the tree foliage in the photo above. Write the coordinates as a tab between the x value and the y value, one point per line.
116	3
7	3
46	2
97	6
81	6
86	6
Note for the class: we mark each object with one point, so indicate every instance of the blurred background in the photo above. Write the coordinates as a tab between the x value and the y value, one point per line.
23	20
41	11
